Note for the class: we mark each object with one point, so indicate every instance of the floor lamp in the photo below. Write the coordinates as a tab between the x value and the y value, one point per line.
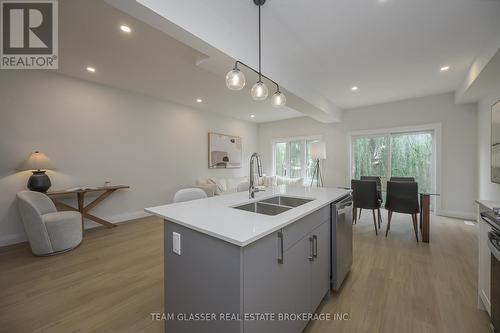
318	153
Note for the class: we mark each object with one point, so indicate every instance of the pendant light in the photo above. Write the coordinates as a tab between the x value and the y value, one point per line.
235	80
259	91
278	100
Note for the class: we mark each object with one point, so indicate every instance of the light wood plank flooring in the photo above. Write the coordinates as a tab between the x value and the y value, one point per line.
397	285
110	283
114	280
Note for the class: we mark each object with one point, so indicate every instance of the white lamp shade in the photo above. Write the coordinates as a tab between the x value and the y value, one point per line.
37	161
318	150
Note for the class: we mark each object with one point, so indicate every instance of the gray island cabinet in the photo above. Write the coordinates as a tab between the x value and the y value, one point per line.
261	265
286	273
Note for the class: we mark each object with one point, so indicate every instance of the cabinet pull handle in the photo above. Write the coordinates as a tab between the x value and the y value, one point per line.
280	250
315	246
311	257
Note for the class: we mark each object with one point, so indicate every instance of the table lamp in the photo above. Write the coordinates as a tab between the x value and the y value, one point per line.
38	163
318	152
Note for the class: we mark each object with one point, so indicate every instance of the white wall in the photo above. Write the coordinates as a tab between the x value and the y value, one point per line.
459	142
487	189
94	133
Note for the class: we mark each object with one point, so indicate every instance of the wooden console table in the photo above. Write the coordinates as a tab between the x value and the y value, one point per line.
82	208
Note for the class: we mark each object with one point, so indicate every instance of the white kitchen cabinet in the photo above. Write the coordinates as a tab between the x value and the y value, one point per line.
484	277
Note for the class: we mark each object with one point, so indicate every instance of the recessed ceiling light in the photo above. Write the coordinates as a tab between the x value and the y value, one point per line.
444	68
252	116
199	100
354	88
125	28
91	69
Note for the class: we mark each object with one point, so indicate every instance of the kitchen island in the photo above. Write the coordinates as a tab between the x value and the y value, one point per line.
239	265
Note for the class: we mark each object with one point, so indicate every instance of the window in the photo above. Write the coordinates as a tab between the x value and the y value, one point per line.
409	154
412	157
309	161
296	161
371	156
292	158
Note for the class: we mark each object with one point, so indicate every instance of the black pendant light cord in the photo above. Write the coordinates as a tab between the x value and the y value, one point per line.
259	3
260	50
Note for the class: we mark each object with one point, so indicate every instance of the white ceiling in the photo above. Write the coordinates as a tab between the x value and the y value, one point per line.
147	61
390	49
486	81
317	50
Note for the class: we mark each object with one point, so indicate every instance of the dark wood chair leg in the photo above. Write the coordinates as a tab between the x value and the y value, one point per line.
354	214
379	218
360	210
415	225
375	222
389	217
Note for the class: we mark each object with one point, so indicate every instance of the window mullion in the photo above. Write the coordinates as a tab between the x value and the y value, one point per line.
288	156
389	164
302	158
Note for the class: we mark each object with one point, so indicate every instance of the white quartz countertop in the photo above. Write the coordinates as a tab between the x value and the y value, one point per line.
215	216
489	203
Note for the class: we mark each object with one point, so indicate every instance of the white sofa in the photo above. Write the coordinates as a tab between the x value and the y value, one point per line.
279	180
220	186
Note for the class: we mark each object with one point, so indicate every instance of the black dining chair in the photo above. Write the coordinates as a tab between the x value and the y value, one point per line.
364	196
402	197
402	179
378	180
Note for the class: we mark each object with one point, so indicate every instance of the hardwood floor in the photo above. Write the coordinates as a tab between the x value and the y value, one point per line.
397	285
114	280
110	283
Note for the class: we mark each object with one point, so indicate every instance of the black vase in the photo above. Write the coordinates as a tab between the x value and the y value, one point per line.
39	181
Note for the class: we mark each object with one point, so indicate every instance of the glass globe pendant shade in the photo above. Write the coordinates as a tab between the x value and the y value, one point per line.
235	80
259	91
278	100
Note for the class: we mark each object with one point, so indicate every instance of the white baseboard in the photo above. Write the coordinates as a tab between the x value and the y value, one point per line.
457	215
119	218
12	239
128	216
21	237
485	302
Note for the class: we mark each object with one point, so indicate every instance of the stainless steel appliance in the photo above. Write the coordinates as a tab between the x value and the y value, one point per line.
494	245
341	240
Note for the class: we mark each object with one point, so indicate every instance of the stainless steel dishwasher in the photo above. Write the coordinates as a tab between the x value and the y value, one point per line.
341	240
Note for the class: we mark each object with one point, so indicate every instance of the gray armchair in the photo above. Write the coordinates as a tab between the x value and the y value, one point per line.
49	231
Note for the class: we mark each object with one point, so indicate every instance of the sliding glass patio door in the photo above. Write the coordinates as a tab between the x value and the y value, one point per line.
389	155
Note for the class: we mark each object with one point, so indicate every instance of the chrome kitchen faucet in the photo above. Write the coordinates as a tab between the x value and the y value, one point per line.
251	188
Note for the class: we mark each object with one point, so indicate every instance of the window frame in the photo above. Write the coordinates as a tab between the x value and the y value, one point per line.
303	158
434	128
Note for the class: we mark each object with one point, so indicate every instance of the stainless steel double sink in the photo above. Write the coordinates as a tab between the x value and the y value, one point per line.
274	205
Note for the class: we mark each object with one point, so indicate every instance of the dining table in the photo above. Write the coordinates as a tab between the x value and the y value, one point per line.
425	211
425	214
